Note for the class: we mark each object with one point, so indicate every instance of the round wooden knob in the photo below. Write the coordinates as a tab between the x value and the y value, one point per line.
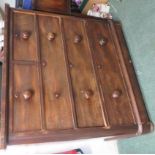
116	94
16	95
57	95
102	42
51	36
17	35
25	35
27	94
99	66
71	65
77	39
44	63
87	94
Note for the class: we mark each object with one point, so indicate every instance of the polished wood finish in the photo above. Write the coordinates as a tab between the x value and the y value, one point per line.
65	78
52	5
26	108
58	108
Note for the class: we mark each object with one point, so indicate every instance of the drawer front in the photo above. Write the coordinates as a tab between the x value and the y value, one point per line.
107	65
26	99
24	40
86	95
58	109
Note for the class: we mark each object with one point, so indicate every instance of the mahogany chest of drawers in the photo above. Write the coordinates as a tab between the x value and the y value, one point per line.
66	78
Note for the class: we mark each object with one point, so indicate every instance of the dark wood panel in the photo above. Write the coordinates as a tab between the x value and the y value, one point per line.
86	95
58	108
52	5
111	79
133	79
24	40
26	99
65	135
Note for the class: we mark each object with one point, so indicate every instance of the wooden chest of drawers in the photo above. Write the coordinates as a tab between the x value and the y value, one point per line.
65	78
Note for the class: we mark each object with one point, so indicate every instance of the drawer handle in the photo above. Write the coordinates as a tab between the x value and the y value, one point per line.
116	94
25	35
99	66
27	94
57	95
51	36
87	94
70	65
77	39
44	63
102	42
16	95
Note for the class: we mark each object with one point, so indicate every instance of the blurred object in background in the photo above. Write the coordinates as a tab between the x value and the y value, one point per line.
61	6
24	4
78	2
76	151
1	55
1	38
96	8
100	10
75	7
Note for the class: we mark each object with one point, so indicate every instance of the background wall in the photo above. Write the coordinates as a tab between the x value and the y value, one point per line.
138	20
10	2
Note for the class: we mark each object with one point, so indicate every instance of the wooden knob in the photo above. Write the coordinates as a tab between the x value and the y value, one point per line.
77	39
70	65
25	35
99	66
17	35
51	36
44	63
102	42
57	95
16	95
27	94
116	94
87	94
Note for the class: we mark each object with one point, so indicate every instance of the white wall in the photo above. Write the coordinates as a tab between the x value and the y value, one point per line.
10	2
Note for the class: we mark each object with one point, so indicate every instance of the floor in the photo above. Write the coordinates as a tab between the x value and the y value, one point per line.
137	17
91	146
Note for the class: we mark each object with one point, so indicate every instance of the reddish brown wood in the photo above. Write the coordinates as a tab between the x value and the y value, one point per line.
65	78
26	107
56	91
52	5
111	79
88	105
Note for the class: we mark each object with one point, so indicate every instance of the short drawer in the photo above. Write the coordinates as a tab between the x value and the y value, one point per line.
25	99
24	39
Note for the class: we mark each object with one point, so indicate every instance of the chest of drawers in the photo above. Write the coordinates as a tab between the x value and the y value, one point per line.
66	78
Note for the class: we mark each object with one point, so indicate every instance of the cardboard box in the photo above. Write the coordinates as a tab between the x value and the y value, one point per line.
87	4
